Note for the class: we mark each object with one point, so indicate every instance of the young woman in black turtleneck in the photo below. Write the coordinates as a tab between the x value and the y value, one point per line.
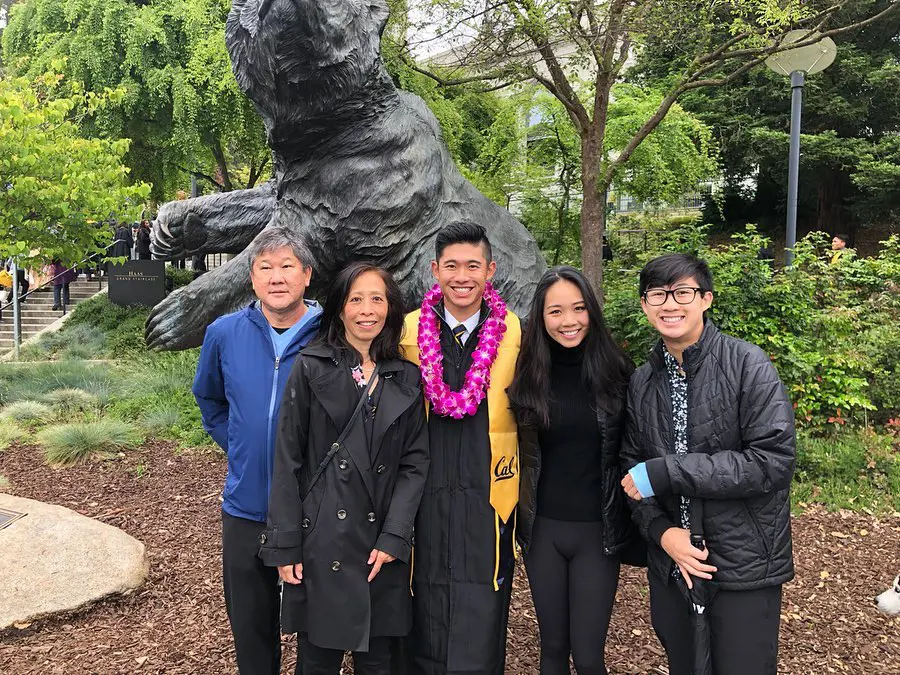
568	395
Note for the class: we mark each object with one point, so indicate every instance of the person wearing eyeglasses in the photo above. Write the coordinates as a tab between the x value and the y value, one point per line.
709	419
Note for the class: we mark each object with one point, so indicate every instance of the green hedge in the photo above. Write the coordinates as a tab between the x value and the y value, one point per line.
830	329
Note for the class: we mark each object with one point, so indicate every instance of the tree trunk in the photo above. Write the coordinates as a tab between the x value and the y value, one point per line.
593	213
216	148
830	211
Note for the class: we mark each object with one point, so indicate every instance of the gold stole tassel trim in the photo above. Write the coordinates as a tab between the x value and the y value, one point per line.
497	552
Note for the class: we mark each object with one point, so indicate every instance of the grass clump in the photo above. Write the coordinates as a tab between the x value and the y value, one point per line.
160	421
71	400
10	432
32	381
27	412
5	485
67	444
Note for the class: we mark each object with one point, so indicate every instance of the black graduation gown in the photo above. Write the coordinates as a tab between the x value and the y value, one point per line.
460	620
365	499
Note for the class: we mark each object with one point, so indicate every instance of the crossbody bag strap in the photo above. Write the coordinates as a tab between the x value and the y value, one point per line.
340	441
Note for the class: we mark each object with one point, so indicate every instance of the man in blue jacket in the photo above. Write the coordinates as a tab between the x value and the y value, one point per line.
244	364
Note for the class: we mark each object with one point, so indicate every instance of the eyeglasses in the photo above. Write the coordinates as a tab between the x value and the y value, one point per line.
683	296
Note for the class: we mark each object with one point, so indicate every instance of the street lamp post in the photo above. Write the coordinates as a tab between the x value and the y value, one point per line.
798	63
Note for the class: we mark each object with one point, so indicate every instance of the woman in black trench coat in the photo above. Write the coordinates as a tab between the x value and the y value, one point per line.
342	541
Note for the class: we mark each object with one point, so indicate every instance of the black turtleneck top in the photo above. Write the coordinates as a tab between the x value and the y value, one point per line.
571	479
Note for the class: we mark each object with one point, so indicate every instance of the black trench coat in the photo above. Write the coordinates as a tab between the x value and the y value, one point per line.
364	500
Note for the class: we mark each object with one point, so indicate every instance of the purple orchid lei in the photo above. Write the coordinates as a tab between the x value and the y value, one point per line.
446	402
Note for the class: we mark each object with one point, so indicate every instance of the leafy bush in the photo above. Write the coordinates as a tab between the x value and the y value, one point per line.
176	278
68	444
829	329
70	400
852	470
27	412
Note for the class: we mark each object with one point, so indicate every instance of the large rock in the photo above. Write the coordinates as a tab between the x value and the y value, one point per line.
56	560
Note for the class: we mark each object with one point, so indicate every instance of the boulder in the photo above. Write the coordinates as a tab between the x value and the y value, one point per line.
55	560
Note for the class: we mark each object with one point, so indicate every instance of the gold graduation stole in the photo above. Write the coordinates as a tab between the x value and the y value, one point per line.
501	423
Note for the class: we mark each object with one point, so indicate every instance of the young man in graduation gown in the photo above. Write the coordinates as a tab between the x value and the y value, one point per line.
466	343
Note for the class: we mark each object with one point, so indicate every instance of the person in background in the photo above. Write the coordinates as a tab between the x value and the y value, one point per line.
839	247
568	395
62	276
244	364
351	456
143	241
123	242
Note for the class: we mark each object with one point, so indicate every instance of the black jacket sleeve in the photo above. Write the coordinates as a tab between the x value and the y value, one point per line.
283	543
649	516
765	461
396	533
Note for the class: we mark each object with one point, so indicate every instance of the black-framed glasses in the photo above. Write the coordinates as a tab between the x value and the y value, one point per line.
683	296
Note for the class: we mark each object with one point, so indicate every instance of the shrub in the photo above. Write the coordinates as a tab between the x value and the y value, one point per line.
70	400
68	444
5	485
829	329
176	278
10	432
27	412
856	469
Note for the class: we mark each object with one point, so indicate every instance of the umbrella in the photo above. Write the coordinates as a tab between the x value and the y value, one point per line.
699	598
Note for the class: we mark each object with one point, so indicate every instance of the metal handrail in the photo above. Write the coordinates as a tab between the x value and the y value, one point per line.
53	278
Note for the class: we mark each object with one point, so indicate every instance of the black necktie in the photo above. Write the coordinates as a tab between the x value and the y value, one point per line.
458	332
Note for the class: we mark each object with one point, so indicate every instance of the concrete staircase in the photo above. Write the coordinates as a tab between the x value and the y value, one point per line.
36	313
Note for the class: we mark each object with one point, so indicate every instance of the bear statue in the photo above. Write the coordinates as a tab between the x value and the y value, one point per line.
359	168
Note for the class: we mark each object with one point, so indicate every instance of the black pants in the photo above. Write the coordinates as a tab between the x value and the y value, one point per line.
314	660
574	586
743	625
252	598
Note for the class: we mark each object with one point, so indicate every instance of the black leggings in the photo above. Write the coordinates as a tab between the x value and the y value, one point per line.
573	585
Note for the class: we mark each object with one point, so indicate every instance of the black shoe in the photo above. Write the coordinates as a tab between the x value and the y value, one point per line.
55	307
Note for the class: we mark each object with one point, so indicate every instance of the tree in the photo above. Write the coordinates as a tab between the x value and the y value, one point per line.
182	109
673	159
851	118
56	187
579	49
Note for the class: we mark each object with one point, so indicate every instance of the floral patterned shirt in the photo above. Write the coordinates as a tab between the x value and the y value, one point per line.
678	387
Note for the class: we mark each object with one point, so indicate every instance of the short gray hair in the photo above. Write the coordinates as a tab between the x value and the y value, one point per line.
276	237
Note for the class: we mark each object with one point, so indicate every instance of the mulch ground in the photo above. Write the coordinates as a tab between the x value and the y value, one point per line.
176	622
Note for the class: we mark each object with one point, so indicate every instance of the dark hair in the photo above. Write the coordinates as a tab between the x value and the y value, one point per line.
667	269
843	237
332	332
462	233
606	367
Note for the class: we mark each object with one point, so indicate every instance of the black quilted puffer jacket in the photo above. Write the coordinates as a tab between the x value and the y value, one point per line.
740	460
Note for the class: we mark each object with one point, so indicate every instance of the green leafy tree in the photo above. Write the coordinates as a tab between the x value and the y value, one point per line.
579	50
182	109
850	163
674	158
56	187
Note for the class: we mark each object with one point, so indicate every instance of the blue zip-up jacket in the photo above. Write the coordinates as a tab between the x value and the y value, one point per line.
238	388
